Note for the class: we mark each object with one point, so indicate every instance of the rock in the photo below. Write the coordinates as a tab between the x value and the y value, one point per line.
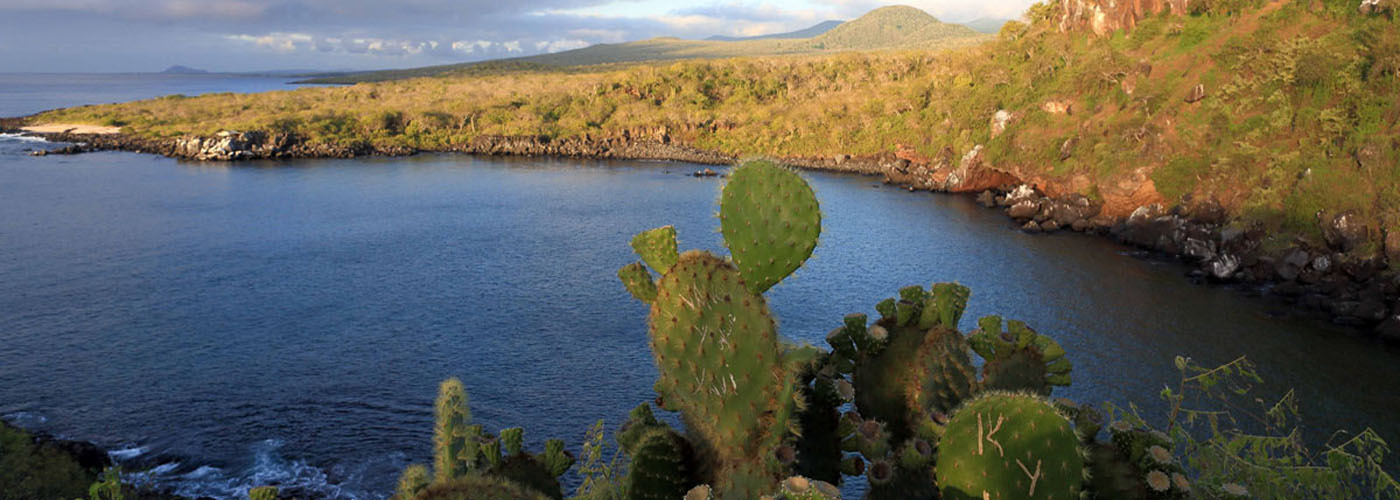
1288	272
1392	247
1021	192
1370	310
1082	225
987	199
1343	232
840	159
1322	264
1373	7
1298	258
1389	330
1065	213
1000	120
1196	94
1031	227
705	173
1223	267
1050	226
1058	107
1202	250
1067	148
1102	221
1103	17
1023	209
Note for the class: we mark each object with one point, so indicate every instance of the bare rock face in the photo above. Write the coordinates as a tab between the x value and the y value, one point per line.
1063	107
1106	16
229	145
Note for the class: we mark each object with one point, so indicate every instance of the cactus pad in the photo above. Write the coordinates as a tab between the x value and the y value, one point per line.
717	352
263	493
1019	358
1012	447
657	247
661	466
770	221
638	281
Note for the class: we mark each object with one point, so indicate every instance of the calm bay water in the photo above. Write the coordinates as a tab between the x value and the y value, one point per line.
288	322
27	93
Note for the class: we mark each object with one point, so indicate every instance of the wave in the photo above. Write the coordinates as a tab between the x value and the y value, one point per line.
268	467
21	138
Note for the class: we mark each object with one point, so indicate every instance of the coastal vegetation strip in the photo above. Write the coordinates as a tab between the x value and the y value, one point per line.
1272	119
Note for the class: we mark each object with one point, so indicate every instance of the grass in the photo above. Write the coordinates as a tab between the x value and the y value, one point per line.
1291	87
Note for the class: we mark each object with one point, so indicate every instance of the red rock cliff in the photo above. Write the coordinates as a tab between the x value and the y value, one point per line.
1105	16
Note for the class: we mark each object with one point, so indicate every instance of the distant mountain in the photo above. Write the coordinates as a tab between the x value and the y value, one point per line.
986	24
815	30
183	70
897	27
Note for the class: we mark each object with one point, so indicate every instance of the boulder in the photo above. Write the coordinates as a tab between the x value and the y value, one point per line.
1031	227
1024	209
1223	267
1196	94
1392	247
1322	264
1389	330
1082	225
1000	120
1050	226
1021	192
1344	231
1064	107
1298	258
1202	250
987	199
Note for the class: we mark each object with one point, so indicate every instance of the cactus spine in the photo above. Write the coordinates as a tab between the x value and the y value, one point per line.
1009	446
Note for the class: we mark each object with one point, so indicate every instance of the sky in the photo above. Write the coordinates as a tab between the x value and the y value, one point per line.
260	35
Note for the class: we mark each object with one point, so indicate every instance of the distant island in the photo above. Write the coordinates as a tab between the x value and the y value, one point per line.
183	70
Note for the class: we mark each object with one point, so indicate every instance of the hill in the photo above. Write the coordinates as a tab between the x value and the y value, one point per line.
986	24
886	28
183	70
815	30
891	27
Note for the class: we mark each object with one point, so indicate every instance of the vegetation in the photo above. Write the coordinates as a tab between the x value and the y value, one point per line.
30	469
759	411
1298	112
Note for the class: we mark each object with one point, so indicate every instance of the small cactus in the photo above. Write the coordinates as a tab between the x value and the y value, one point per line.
1009	446
451	455
413	480
657	248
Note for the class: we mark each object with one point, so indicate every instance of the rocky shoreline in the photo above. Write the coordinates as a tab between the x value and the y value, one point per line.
1334	281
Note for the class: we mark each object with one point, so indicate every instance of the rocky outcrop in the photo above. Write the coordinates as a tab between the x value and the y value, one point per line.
1106	16
1374	7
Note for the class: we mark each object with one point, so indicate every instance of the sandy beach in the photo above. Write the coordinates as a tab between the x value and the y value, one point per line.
56	128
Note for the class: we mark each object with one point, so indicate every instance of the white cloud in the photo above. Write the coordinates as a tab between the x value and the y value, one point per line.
560	45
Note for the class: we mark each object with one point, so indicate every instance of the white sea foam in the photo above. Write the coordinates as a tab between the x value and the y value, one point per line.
21	138
127	453
268	467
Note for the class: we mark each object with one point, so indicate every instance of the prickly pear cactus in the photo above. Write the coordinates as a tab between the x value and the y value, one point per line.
1009	446
1019	359
413	480
657	247
662	466
479	487
638	281
802	488
717	352
923	371
770	221
453	451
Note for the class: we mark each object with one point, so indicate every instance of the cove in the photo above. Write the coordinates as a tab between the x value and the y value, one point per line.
290	321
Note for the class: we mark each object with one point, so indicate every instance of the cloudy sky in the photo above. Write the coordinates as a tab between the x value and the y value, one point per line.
254	35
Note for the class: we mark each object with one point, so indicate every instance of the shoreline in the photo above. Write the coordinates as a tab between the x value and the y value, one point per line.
1361	293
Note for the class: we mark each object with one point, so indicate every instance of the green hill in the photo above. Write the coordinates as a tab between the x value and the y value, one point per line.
886	28
891	27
